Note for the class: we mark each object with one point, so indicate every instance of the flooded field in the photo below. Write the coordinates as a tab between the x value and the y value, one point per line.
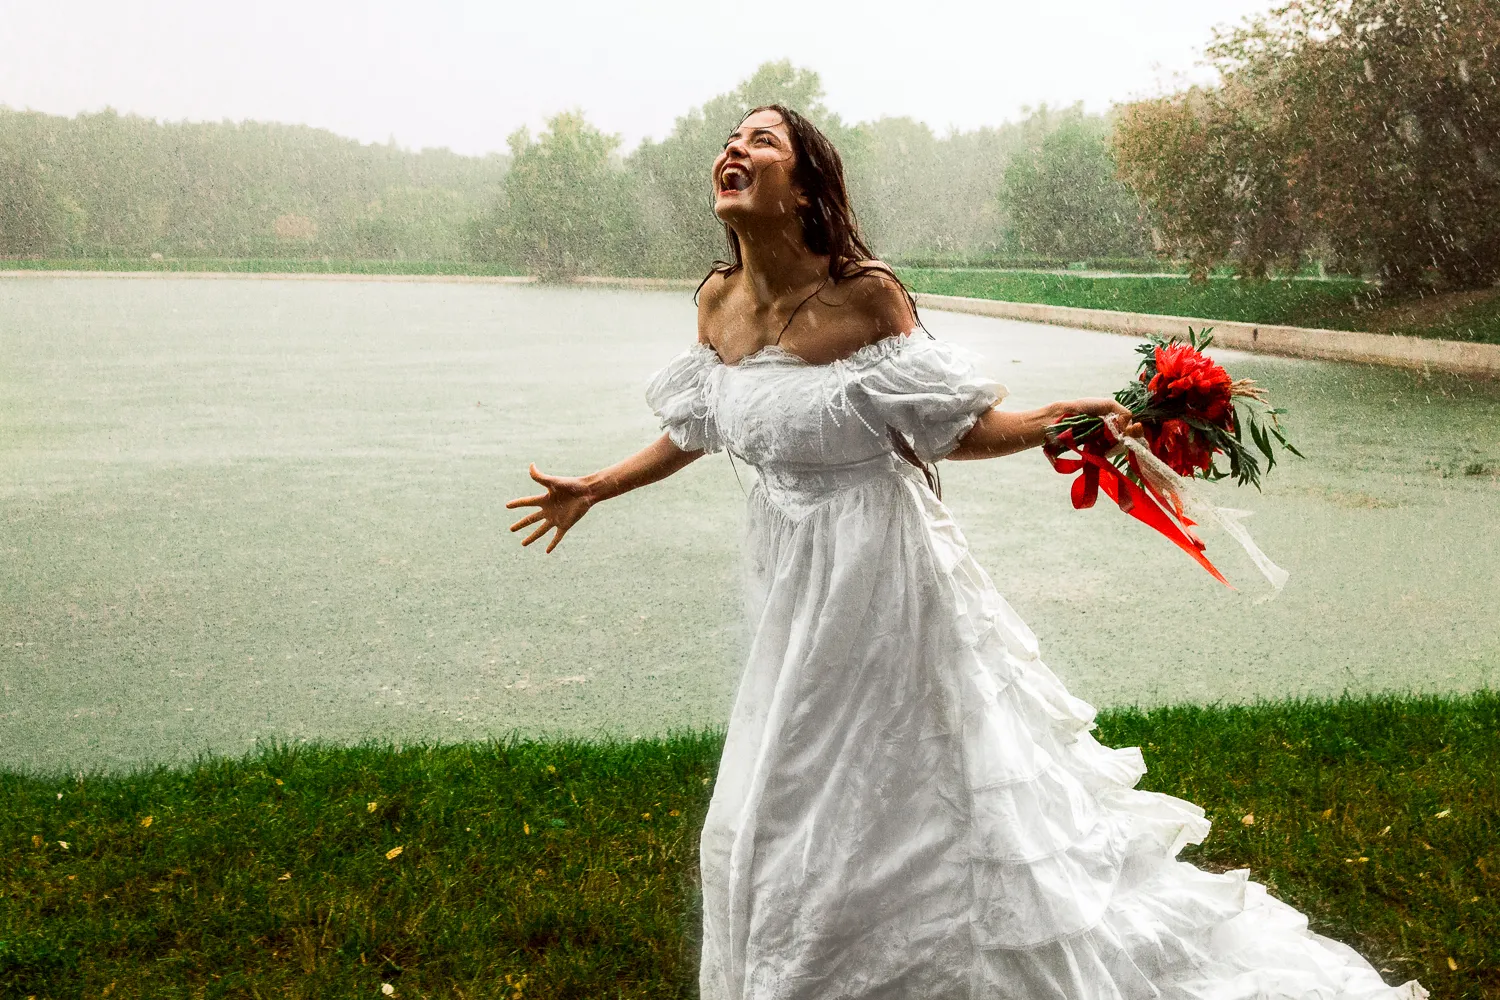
234	511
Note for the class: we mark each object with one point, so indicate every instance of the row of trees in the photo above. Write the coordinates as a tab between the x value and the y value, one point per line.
1360	133
1365	133
1043	187
111	185
563	201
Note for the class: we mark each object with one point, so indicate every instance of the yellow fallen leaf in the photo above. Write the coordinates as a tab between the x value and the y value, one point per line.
1452	965
36	840
1248	819
1442	815
394	853
63	844
526	829
388	989
369	808
645	815
1385	831
705	781
280	782
145	821
1328	814
674	812
551	769
1363	860
72	877
285	878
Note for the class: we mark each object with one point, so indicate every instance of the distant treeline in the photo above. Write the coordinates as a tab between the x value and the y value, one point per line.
107	185
1357	134
562	202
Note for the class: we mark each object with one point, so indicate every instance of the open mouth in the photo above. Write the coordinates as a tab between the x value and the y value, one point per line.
734	178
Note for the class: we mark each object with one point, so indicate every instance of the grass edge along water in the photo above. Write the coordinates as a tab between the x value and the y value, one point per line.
527	867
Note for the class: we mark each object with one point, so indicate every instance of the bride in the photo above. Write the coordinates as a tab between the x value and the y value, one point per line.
909	803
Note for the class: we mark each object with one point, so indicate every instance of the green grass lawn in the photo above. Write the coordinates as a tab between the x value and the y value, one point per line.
532	869
1336	304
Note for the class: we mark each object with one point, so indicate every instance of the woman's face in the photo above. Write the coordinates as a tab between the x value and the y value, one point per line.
753	175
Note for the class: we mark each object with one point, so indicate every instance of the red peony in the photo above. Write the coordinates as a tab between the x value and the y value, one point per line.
1176	444
1189	383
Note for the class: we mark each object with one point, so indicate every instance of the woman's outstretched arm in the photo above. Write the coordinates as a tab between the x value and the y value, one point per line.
1003	432
568	498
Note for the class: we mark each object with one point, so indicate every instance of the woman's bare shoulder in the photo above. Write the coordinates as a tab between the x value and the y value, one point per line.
878	298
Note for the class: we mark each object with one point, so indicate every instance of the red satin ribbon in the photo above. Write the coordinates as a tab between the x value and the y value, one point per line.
1097	472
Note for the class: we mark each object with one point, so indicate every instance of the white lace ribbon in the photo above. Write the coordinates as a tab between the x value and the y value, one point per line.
1167	483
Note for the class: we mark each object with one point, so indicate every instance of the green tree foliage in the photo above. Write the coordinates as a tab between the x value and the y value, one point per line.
915	193
1366	127
106	185
568	207
918	193
1063	198
681	234
30	221
111	185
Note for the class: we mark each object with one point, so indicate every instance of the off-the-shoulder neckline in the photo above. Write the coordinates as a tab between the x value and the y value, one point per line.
772	352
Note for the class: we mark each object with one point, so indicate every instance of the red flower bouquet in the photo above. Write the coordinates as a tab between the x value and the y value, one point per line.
1192	412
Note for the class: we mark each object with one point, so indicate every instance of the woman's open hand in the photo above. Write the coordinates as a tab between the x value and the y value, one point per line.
567	499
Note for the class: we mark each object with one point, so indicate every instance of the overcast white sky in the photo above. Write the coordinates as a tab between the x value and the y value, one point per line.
464	75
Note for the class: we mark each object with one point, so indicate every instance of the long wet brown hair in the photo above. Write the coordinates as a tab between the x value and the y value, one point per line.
829	227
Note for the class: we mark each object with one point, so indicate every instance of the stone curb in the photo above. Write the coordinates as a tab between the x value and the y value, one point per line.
1290	341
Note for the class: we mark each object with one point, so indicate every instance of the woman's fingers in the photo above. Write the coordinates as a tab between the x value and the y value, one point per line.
538	533
527	501
531	518
555	539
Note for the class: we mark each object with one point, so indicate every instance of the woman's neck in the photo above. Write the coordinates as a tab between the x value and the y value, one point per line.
778	264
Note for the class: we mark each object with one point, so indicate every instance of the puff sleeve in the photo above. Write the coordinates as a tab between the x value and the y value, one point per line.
929	390
682	395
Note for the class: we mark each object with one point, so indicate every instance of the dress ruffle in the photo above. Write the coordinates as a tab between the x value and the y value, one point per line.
682	396
929	390
1080	888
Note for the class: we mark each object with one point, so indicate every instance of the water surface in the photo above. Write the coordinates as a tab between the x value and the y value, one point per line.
233	511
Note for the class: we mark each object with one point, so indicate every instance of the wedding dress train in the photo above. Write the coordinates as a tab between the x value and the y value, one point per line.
909	803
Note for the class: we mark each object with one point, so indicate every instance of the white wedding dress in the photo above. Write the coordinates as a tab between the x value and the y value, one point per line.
910	805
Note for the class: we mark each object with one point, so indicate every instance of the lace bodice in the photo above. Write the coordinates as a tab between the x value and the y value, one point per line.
776	410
